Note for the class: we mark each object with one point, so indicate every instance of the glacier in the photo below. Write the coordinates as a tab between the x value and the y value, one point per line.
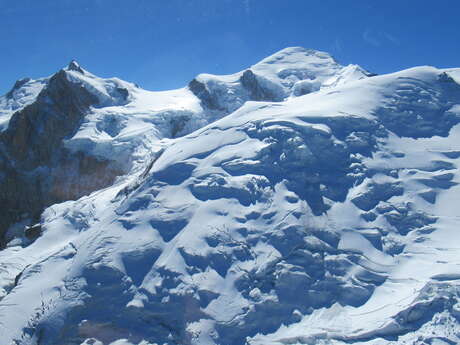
296	202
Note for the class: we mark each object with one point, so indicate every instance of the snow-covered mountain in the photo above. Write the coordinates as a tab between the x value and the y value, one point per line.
296	202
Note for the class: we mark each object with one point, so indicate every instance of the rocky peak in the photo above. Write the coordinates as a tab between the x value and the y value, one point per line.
75	66
34	132
37	169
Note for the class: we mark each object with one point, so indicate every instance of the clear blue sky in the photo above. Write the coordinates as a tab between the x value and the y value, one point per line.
162	44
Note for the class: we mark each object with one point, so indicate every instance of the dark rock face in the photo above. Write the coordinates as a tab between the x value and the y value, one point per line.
249	87
32	232
34	133
256	91
207	99
74	66
37	170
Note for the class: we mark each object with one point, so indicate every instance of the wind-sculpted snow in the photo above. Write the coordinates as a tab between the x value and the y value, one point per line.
326	218
73	133
290	72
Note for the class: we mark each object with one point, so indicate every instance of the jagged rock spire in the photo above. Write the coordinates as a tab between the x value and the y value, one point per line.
75	66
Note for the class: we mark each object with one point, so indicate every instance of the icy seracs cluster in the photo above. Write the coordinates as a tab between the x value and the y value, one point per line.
296	202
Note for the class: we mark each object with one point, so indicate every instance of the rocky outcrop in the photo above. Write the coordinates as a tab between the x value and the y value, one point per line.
207	99
36	169
257	90
224	96
34	133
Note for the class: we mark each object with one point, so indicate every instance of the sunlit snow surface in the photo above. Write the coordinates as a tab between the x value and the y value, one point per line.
327	218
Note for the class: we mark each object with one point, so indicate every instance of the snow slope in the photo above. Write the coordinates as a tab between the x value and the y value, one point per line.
288	73
70	134
322	218
151	116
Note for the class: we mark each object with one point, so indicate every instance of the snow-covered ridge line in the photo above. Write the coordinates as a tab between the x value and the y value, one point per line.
109	123
291	72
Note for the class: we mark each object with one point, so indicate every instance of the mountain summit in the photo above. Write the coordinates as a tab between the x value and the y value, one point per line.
74	66
298	201
290	72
